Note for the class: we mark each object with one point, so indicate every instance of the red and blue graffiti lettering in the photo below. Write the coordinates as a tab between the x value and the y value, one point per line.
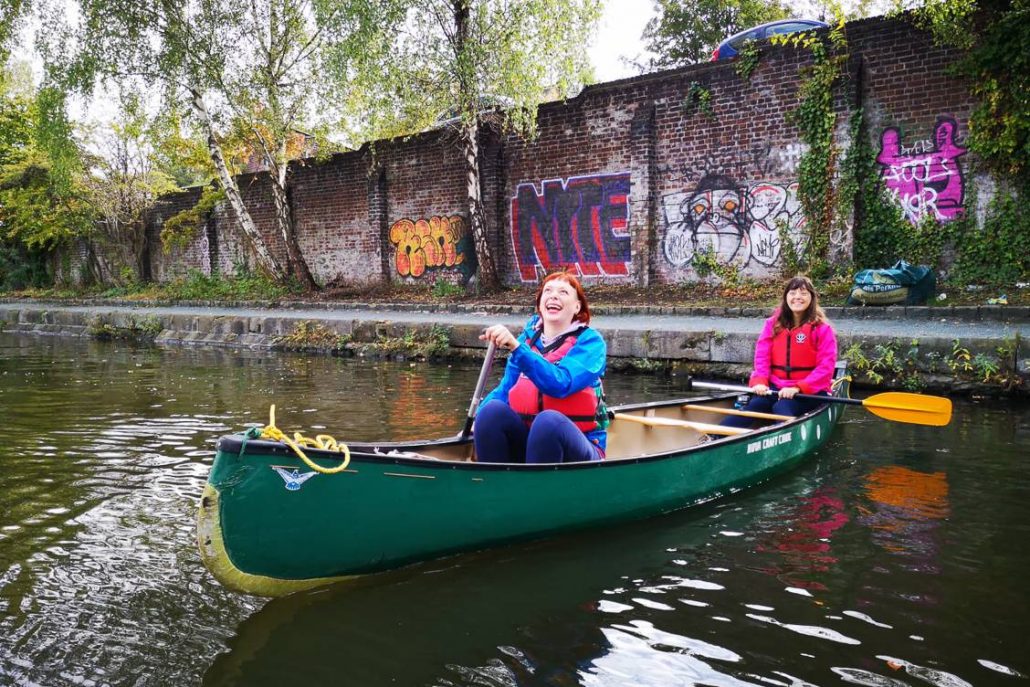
581	223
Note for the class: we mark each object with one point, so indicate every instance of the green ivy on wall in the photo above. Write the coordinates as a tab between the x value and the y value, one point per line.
816	120
698	98
999	251
747	60
180	229
993	254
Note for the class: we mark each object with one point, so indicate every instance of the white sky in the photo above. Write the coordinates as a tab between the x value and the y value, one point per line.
618	37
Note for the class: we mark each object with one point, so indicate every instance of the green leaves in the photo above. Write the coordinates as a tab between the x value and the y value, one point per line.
687	31
995	39
42	200
510	56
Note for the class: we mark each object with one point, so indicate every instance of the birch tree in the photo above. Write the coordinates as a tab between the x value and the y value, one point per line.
255	63
464	56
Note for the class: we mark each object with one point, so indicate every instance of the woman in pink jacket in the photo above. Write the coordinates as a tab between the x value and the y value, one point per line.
796	353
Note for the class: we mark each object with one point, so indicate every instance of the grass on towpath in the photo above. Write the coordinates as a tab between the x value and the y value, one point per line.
253	288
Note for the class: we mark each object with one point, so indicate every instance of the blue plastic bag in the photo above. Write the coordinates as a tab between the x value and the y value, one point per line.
901	284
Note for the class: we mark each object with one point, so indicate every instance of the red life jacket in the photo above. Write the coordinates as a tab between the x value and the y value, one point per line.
528	401
794	352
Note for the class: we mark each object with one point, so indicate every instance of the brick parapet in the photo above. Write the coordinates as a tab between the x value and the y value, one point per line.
648	138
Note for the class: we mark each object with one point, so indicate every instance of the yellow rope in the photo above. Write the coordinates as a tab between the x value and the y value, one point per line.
840	380
322	441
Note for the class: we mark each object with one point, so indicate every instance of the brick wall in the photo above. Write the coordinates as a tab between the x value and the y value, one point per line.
627	183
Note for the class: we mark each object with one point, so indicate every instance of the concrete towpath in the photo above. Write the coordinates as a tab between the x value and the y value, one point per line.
718	336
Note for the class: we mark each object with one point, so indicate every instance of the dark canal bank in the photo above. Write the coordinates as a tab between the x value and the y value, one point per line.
950	350
895	556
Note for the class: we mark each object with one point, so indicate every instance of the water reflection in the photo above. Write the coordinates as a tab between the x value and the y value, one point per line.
905	512
803	541
899	561
528	612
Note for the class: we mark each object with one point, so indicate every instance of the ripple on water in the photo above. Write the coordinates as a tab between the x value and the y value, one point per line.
100	579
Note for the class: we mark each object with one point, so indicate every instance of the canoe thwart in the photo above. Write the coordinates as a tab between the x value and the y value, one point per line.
742	413
668	422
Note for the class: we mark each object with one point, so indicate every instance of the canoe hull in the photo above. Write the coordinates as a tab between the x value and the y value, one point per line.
261	535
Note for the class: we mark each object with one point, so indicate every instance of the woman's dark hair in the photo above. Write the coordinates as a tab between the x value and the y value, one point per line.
813	314
584	310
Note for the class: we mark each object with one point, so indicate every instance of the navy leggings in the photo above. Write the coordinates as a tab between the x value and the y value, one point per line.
772	404
502	436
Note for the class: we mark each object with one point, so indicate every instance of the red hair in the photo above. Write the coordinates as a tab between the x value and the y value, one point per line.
584	310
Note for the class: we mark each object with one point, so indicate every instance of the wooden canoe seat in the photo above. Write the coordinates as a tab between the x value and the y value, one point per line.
633	439
669	422
742	413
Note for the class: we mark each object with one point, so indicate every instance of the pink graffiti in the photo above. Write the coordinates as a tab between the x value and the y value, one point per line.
926	182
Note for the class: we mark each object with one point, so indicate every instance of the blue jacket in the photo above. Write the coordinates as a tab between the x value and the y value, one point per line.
581	367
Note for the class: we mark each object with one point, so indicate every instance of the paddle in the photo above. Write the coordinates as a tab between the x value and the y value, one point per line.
477	395
916	409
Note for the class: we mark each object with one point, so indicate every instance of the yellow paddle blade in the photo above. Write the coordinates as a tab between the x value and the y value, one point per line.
916	409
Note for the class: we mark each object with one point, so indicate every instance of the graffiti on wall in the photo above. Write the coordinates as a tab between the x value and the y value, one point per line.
737	224
581	223
433	244
925	177
757	162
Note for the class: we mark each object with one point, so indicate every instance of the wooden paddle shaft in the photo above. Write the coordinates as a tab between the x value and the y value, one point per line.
477	395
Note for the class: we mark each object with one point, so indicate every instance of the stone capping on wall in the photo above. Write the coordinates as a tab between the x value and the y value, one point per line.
957	313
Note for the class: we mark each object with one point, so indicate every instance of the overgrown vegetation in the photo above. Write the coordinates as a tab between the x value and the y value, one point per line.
444	289
428	343
994	254
994	37
179	230
698	99
311	336
1000	369
903	365
141	329
892	364
195	286
747	60
816	119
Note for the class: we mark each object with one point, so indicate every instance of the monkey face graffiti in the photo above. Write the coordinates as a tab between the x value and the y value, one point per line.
715	214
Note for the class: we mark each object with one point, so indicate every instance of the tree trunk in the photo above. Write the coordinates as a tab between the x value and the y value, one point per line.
470	149
232	192
477	217
295	262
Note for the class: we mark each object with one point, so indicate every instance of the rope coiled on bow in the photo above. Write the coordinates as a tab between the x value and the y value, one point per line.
324	442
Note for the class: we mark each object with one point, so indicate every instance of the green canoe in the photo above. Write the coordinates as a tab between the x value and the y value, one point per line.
269	525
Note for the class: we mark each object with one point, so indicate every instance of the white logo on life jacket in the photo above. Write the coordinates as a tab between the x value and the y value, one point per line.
800	338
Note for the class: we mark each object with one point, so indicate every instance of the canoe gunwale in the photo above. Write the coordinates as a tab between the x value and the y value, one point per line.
233	444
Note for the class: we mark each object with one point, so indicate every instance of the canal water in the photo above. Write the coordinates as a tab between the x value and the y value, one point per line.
897	555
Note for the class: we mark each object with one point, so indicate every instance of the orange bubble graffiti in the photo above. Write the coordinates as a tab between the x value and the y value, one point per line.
426	244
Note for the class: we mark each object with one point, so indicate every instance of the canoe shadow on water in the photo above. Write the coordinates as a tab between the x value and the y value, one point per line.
407	626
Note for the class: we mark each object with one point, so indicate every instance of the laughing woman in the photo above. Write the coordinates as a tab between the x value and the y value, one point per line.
547	408
795	353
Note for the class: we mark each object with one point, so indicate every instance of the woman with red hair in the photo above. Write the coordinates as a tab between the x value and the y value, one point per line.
548	407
